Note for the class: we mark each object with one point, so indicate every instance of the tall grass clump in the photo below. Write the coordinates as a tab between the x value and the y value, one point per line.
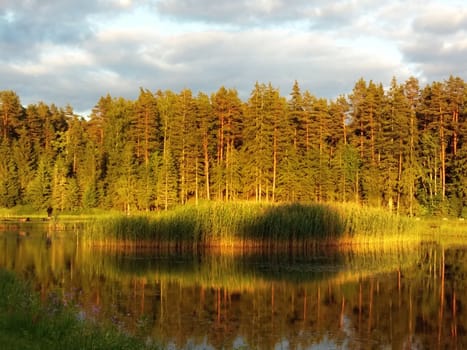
183	227
367	225
245	224
26	323
239	224
296	223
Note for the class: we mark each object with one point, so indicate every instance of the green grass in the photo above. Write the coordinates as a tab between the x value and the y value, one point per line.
248	225
27	211
26	323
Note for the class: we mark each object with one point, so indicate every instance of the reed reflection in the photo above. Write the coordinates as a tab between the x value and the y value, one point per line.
357	299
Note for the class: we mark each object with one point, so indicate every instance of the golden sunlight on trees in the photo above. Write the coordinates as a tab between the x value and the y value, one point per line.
402	147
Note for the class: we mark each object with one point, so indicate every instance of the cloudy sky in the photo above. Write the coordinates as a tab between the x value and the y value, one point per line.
75	51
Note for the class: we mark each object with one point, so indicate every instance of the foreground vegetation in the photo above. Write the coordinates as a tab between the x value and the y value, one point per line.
26	323
251	225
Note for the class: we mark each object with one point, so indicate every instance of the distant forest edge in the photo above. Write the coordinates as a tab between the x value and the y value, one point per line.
403	148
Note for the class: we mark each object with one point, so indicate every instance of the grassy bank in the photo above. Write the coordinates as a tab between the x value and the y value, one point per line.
248	225
26	323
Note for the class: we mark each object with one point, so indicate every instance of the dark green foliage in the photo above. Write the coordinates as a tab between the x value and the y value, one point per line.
10	188
403	149
39	190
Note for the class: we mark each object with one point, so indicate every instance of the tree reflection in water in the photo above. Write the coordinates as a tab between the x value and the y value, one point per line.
400	298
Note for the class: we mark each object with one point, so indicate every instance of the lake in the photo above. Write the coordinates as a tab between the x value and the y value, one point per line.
354	299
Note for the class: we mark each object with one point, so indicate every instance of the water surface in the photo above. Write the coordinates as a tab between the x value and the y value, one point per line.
366	299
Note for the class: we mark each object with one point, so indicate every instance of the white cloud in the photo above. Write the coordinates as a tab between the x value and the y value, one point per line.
441	21
92	48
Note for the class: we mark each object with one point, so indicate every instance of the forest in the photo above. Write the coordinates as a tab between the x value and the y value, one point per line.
402	147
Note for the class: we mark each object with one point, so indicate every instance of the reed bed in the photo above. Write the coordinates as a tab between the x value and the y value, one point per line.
247	226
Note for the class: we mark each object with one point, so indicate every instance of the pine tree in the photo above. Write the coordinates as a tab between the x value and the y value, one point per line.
75	140
456	95
366	109
338	141
434	124
395	147
11	114
321	152
412	93
167	188
227	107
98	122
206	121
114	117
145	126
184	141
258	142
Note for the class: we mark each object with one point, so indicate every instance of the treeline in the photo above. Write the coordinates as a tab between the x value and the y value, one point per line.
403	148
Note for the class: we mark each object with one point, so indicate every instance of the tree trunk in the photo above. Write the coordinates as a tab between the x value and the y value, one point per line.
206	164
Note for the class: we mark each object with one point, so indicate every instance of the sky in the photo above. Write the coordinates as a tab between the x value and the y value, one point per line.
75	51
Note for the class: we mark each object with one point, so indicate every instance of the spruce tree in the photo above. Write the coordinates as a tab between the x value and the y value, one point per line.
39	190
9	181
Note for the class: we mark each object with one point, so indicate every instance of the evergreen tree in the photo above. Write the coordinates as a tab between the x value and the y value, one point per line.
412	93
434	127
338	141
59	185
167	187
227	108
206	121
75	140
114	116
366	109
404	149
145	126
288	175
11	114
299	123
39	190
73	194
9	181
296	160
123	189
184	141
320	147
24	158
259	137
395	147
456	95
